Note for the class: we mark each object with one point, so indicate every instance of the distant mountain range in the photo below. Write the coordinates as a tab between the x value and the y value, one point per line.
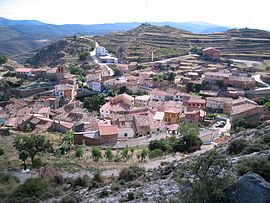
22	36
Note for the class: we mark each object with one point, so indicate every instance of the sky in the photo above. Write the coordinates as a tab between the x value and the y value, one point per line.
235	13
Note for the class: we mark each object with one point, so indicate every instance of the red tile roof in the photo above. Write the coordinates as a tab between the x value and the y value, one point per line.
108	130
24	70
159	92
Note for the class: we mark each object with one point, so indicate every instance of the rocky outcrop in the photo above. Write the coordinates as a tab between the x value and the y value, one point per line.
250	188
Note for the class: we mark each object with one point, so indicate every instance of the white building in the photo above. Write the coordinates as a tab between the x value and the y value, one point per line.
159	95
141	101
101	51
108	59
97	86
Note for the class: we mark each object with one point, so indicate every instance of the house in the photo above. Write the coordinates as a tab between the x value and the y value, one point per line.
207	136
52	102
211	53
213	77
123	68
142	101
181	96
65	91
119	104
145	125
108	134
92	77
44	111
23	72
159	95
108	59
196	103
217	104
173	129
195	116
241	82
171	114
97	86
101	51
247	112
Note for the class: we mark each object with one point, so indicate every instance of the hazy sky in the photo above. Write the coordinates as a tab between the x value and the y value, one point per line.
240	13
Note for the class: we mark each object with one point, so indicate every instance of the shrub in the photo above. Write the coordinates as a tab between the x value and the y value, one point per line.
37	163
83	56
259	165
266	138
58	179
80	181
96	153
31	191
155	153
236	146
131	173
79	151
254	147
159	144
207	179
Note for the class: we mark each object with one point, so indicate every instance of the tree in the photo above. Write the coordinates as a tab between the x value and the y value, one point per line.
144	153
96	153
33	144
83	56
3	59
93	102
189	140
23	156
109	154
2	151
206	179
79	151
125	153
122	90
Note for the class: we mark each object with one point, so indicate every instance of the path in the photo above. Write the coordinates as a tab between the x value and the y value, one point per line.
93	54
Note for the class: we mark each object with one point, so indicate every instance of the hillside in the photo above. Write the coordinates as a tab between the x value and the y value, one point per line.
65	51
22	36
139	43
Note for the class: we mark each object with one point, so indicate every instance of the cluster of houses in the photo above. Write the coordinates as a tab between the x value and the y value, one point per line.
150	105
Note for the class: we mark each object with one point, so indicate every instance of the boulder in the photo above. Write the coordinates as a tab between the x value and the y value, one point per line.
250	188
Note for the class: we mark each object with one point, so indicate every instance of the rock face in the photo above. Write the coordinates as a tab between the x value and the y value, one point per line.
250	188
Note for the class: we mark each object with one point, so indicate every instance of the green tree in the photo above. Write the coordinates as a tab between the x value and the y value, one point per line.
109	154
208	178
125	153
144	153
94	102
79	151
23	156
122	90
189	138
3	59
96	153
85	55
33	144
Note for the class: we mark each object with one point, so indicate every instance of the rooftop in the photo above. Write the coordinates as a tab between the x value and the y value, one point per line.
108	130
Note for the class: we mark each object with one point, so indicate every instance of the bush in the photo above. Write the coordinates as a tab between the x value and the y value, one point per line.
131	173
80	181
79	151
31	191
58	179
207	179
83	56
2	152
159	144
259	165
236	146
254	147
37	163
155	153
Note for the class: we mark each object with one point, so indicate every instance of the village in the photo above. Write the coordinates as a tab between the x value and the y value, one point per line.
136	102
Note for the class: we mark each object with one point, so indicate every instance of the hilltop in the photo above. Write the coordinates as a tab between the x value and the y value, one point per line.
22	36
64	51
139	43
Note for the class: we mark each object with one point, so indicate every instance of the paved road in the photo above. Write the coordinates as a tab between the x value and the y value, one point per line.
93	54
258	79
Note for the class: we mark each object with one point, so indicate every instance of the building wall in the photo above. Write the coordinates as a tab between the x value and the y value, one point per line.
171	118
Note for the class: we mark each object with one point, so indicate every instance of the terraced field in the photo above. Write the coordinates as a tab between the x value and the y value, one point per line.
139	44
